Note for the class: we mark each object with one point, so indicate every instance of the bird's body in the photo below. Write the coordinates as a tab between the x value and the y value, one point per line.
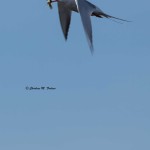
71	5
85	9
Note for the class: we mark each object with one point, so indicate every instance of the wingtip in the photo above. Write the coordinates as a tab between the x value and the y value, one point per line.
92	50
66	37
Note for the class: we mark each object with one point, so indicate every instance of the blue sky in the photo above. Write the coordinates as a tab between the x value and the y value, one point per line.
100	101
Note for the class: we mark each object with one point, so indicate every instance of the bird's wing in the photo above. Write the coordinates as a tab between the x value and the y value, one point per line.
65	18
85	11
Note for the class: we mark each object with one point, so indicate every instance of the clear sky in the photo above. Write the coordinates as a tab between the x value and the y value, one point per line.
101	102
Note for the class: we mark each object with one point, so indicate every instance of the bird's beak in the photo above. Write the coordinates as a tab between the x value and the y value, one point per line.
49	2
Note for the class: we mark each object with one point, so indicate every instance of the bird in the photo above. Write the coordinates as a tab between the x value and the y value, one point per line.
86	9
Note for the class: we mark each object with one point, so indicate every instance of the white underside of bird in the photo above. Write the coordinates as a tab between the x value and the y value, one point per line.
86	10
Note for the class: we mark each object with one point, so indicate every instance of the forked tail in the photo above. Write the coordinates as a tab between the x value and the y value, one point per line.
101	15
108	16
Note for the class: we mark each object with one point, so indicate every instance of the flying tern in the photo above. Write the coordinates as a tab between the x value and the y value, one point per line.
85	9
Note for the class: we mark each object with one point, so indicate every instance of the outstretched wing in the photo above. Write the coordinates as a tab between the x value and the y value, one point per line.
65	18
85	12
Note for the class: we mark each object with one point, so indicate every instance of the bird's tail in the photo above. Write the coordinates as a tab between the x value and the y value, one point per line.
102	15
108	16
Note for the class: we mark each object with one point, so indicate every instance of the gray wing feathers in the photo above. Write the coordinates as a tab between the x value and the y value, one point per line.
85	13
65	19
